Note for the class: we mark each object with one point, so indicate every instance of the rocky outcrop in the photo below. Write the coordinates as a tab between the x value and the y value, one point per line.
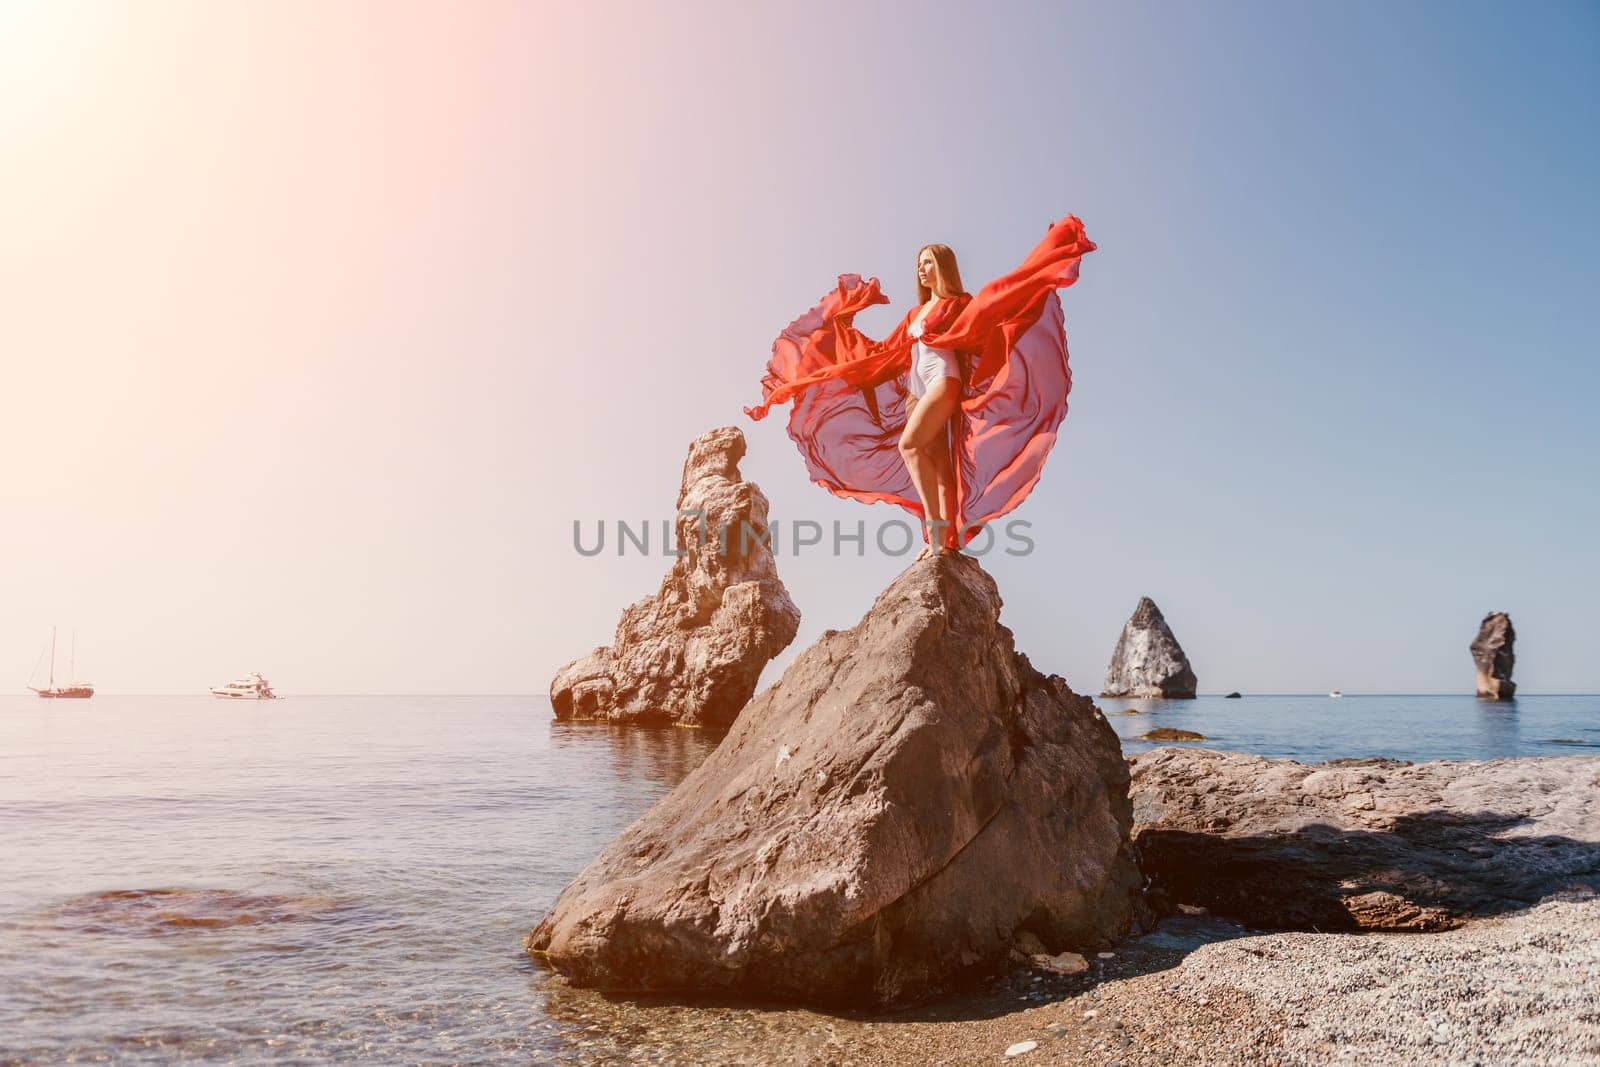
1167	733
908	800
693	653
1148	661
1373	844
1493	655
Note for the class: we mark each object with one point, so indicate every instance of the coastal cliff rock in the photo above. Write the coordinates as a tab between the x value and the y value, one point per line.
693	652
1372	844
1493	656
1148	661
907	801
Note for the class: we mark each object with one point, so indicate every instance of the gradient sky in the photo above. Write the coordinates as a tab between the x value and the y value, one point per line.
321	323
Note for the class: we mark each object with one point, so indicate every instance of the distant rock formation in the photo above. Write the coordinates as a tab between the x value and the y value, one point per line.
884	823
693	653
1494	656
1233	696
1148	661
1370	844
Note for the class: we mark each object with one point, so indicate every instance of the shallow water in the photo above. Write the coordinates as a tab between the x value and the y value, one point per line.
1413	727
302	879
352	877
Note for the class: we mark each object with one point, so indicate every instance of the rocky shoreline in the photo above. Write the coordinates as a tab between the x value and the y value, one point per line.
1504	979
1363	844
1518	988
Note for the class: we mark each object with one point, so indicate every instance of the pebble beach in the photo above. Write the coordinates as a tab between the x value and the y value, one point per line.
1519	988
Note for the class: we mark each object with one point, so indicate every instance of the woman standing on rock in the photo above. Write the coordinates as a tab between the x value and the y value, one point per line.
952	415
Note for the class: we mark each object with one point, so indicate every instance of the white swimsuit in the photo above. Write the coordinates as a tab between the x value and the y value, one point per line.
928	365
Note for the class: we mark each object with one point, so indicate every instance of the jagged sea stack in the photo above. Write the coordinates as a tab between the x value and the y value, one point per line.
1148	661
1494	656
886	821
692	654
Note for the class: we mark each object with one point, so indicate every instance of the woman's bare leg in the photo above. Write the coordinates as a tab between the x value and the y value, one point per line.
944	475
922	443
921	477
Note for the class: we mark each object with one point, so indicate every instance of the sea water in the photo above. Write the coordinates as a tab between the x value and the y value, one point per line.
331	877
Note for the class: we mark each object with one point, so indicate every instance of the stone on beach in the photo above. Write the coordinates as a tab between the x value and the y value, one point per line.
941	798
693	653
1373	844
1062	963
1148	661
1493	656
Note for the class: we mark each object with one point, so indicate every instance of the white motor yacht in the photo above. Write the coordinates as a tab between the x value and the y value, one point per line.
250	687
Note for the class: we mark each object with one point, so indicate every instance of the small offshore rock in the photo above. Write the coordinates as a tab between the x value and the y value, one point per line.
1148	661
1167	733
1493	656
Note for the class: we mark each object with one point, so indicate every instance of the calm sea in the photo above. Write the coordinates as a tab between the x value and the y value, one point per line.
352	877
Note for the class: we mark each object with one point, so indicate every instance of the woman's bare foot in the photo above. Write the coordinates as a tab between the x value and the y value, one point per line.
927	550
949	550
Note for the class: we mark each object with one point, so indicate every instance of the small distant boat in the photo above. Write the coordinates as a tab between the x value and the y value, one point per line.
74	689
1335	693
250	687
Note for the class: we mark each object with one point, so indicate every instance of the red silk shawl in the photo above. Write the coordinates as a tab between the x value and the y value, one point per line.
849	391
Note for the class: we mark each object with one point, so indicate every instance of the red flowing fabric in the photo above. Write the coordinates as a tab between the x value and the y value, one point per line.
849	390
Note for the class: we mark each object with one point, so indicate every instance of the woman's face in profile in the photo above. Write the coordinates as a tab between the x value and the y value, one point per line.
925	268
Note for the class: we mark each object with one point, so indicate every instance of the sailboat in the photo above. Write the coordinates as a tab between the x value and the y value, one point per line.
73	688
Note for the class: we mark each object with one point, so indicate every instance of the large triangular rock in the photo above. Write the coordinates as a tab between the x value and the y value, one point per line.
693	653
1148	661
907	801
1494	654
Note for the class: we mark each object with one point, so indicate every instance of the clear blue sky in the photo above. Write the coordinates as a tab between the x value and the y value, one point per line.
355	309
1334	360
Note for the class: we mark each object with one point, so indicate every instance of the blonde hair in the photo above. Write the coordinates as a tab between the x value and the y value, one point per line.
945	273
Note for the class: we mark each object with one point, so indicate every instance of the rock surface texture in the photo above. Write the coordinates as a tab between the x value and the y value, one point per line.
1363	844
693	653
1493	655
908	800
1148	661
